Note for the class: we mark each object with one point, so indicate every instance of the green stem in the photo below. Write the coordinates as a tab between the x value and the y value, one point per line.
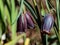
58	20
13	27
57	9
14	17
46	39
0	29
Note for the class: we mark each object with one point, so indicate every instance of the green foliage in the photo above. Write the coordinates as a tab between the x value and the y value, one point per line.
9	14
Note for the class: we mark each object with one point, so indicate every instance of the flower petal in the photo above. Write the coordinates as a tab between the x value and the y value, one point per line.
48	23
29	20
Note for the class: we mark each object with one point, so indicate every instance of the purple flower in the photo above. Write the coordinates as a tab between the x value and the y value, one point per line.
24	22
48	23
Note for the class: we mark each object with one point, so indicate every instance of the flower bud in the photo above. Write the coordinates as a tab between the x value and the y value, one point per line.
29	21
48	23
24	22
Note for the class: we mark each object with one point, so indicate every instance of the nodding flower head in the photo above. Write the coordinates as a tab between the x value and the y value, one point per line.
24	22
48	22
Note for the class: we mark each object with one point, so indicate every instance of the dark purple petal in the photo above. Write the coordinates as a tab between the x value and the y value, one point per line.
24	22
19	24
30	16
29	20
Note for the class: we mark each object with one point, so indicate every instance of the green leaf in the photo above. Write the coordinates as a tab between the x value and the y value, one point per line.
13	27
6	12
20	12
58	18
30	9
0	29
13	42
14	17
12	10
2	11
57	9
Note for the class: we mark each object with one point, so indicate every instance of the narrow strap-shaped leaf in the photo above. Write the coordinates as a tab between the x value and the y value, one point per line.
58	20
8	4
56	30
37	13
31	9
51	6
2	11
14	18
20	12
6	12
12	10
13	27
57	9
